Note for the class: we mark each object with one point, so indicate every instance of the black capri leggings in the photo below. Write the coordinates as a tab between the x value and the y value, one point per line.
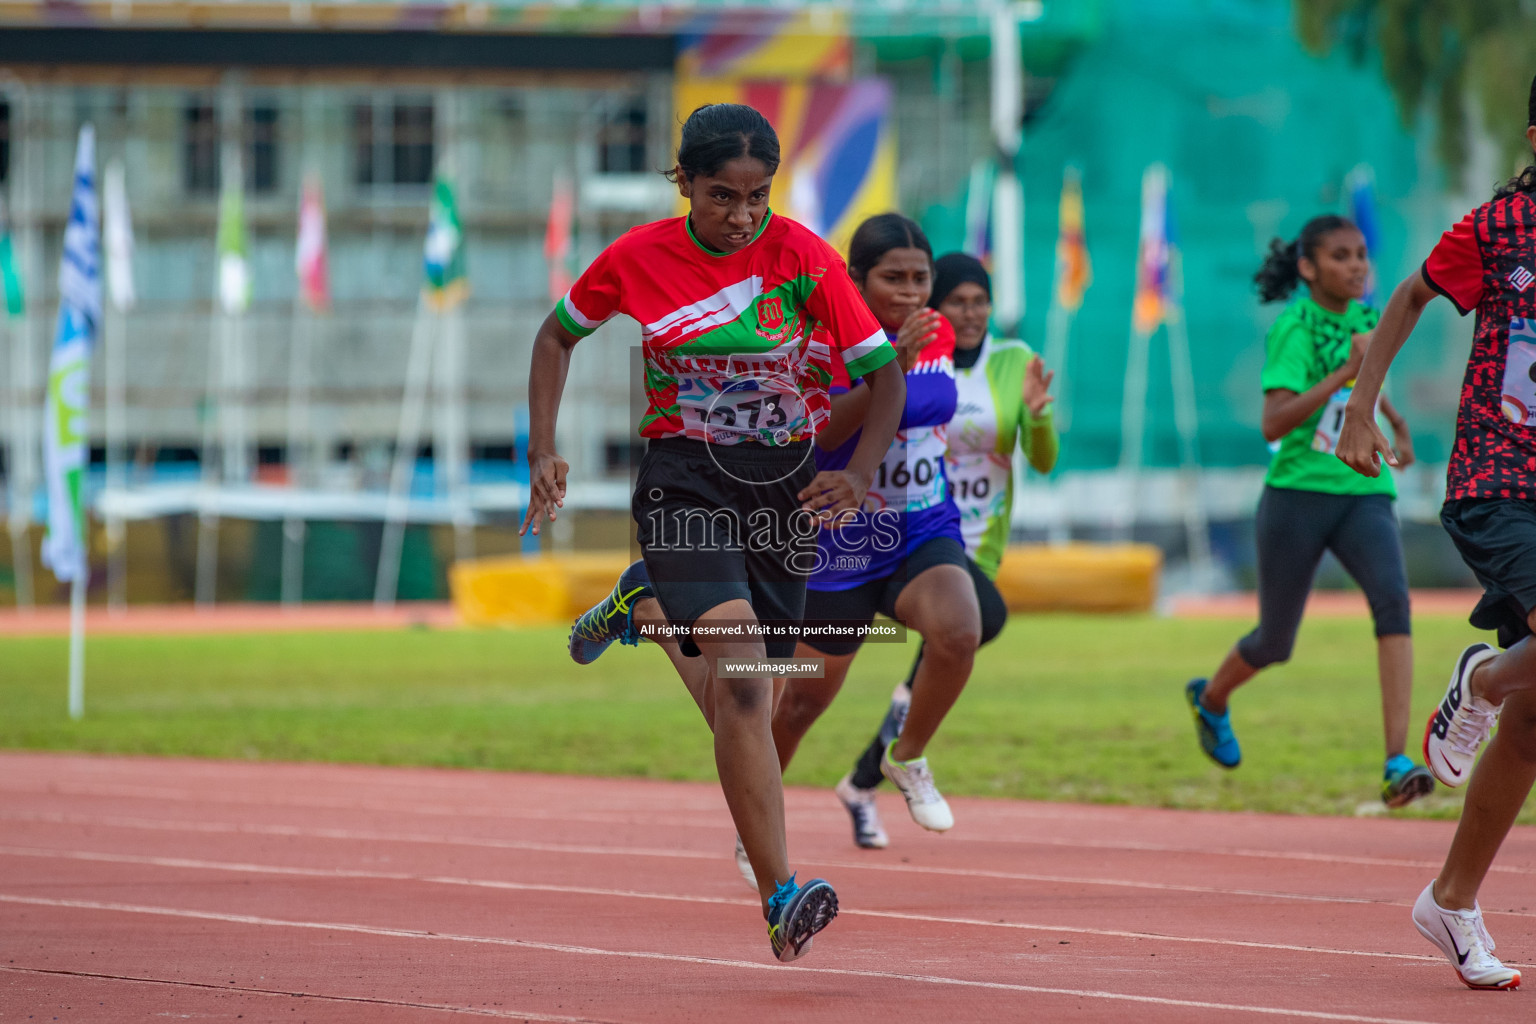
994	615
1293	529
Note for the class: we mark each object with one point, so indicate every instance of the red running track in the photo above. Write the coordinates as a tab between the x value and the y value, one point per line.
138	888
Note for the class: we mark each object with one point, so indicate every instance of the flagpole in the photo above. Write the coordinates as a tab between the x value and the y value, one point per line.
1187	421
67	404
454	438
115	338
408	438
118	250
1007	74
77	646
207	506
294	525
1133	408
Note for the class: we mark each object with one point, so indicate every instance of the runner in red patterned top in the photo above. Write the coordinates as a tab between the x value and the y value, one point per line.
727	499
706	317
1485	263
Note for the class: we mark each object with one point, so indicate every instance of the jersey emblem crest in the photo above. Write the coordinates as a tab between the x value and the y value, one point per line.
771	322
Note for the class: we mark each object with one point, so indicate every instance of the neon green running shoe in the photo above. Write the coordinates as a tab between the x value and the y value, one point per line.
612	618
796	913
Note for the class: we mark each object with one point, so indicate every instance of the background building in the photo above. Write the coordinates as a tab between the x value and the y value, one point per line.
513	101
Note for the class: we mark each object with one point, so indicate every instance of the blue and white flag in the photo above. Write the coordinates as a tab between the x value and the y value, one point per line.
1361	187
66	450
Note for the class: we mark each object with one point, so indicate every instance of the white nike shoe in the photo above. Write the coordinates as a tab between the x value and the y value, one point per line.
1462	722
744	865
868	831
1464	940
927	807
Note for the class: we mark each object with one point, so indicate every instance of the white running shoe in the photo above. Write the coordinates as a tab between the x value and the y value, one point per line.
744	865
1462	722
868	832
1464	940
928	808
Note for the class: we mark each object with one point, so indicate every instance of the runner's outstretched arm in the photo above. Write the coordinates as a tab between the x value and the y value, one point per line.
1361	442
834	491
546	381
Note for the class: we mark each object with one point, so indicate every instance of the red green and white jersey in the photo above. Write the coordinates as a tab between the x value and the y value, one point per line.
727	337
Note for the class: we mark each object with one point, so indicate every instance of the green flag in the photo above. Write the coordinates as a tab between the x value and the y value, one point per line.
10	279
445	282
234	269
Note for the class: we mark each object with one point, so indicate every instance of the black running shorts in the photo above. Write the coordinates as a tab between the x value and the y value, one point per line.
722	523
858	605
1497	540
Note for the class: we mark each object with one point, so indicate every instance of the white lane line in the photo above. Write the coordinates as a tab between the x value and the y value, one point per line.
1132	846
714	812
551	947
848	865
474	1011
584	890
1128	846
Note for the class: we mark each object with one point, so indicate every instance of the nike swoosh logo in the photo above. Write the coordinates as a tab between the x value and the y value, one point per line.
1461	958
1450	767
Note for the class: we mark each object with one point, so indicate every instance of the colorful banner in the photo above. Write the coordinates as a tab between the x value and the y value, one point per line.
765	45
66	451
1360	186
117	237
1074	270
445	283
311	260
557	238
837	146
234	265
1151	303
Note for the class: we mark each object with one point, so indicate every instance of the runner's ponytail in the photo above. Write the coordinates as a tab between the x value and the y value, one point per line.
1525	181
1278	276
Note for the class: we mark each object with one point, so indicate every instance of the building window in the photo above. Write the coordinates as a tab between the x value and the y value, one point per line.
5	142
200	151
394	142
621	139
261	148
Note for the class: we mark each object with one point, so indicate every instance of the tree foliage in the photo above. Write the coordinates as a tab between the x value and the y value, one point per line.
1454	57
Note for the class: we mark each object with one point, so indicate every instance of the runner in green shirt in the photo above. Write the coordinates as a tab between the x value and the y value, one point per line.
1312	502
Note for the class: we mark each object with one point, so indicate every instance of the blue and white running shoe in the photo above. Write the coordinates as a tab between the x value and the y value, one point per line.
1215	731
796	913
612	618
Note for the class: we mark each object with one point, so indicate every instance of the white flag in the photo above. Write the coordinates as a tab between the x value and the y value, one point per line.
117	229
65	439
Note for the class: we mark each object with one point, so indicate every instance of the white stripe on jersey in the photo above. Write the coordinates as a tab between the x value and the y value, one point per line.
580	317
864	348
720	308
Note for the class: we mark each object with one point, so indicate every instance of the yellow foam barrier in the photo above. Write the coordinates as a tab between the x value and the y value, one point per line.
1080	577
553	589
539	591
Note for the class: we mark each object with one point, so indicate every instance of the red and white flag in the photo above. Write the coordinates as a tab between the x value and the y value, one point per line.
557	239
314	274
